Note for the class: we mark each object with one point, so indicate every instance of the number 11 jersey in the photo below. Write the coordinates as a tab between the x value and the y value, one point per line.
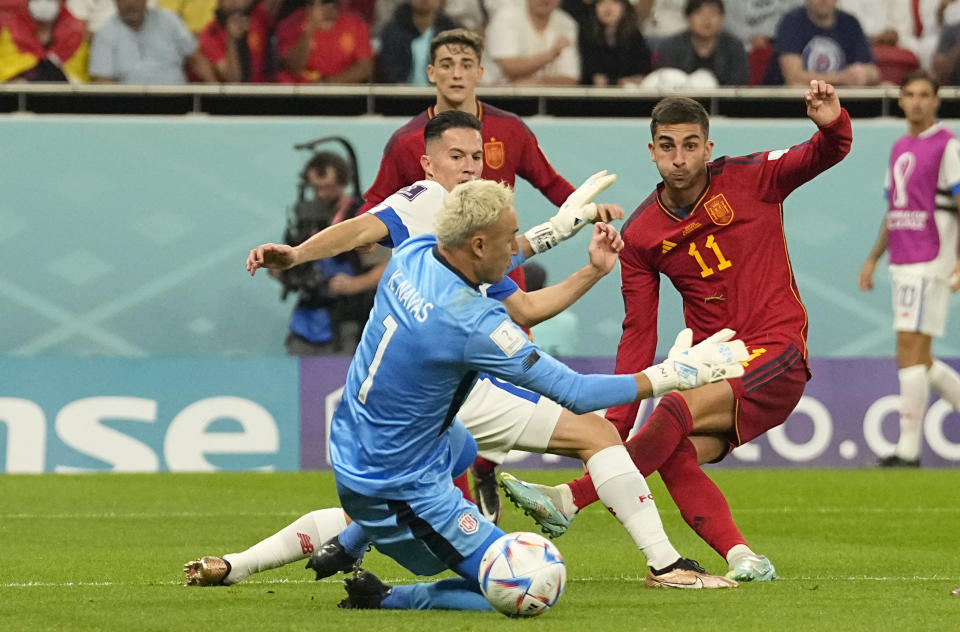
728	258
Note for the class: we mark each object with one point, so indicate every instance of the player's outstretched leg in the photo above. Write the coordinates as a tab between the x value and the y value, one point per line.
649	448
366	591
553	508
704	508
621	488
294	542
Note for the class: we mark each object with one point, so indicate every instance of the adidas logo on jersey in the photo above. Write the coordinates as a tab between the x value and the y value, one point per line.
667	247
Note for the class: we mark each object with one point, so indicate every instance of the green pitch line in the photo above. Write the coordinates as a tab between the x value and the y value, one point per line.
856	550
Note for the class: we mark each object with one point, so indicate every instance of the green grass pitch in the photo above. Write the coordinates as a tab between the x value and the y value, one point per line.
856	550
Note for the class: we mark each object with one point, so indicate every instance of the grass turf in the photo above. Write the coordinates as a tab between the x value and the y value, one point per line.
855	549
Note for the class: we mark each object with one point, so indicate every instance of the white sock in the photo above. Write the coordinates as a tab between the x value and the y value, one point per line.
946	381
565	498
914	393
294	542
624	491
561	496
738	552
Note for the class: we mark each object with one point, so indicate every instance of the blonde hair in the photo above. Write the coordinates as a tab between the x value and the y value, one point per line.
470	207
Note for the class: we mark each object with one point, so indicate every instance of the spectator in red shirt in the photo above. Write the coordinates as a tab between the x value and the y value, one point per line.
235	42
319	44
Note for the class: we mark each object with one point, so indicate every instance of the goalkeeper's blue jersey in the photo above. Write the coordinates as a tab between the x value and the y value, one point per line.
428	334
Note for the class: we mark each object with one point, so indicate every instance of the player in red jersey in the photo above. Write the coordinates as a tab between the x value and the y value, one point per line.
510	149
715	229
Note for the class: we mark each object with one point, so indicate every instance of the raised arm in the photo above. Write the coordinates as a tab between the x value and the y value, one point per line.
823	104
329	242
531	308
783	171
575	212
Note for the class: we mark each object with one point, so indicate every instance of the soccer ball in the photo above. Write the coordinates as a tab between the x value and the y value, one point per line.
522	574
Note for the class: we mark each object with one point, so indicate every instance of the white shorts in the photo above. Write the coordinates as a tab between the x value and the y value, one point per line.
503	417
920	302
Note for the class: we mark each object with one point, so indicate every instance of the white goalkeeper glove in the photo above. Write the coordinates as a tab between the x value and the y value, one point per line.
714	359
574	213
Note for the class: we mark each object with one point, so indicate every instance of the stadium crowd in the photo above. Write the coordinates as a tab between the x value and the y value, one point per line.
650	43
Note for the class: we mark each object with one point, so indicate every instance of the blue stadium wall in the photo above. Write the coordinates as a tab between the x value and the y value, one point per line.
133	339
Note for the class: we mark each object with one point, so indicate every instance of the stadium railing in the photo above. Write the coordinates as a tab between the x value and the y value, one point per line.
390	100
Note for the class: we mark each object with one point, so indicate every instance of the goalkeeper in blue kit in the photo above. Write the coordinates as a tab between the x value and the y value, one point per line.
497	414
395	439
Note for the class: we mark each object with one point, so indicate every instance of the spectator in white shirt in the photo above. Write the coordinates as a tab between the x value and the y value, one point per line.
535	44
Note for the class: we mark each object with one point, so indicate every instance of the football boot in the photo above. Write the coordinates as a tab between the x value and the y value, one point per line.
752	568
331	558
533	501
487	495
365	591
686	573
206	571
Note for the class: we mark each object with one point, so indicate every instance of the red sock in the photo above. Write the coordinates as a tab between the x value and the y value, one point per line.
669	423
463	484
483	466
699	499
584	493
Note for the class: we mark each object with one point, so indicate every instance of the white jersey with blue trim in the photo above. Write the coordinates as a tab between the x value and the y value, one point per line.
411	211
428	334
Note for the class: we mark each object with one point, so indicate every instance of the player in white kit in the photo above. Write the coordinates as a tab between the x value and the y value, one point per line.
920	232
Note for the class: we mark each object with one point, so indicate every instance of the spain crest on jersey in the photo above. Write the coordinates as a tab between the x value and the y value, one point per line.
719	210
494	153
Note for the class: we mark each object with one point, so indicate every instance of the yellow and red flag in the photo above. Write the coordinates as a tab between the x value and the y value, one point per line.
20	50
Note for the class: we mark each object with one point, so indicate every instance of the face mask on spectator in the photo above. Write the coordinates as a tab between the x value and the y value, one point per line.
44	10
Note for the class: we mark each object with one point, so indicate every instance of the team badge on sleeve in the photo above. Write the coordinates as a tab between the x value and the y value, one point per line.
508	338
468	523
719	210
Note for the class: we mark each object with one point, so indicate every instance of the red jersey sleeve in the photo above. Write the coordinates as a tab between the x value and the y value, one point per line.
537	170
389	178
782	172
400	165
641	297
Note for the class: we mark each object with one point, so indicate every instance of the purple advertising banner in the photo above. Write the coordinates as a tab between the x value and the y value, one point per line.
846	418
321	383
